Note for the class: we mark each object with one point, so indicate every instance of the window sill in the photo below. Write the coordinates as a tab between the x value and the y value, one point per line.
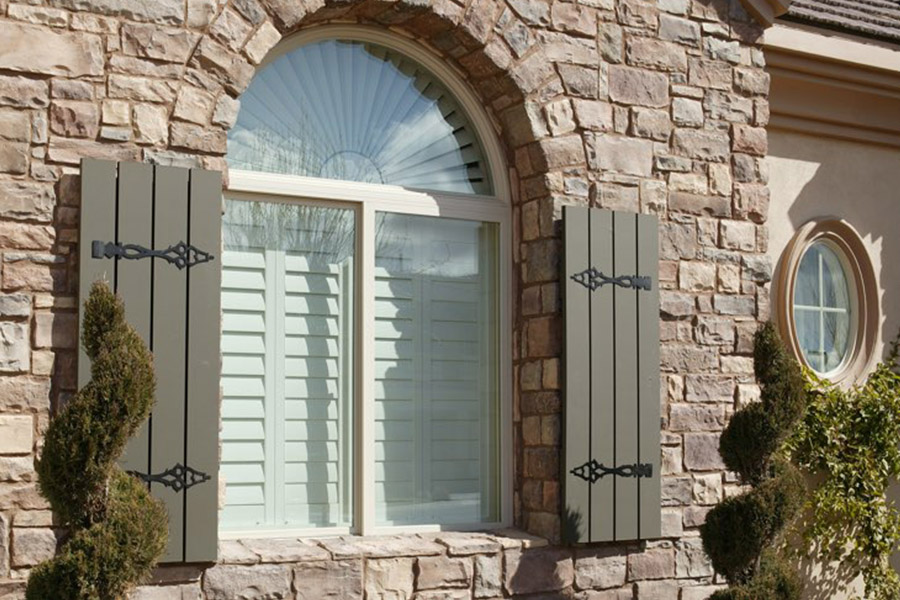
253	551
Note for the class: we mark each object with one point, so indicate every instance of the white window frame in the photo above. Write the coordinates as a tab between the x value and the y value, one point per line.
368	199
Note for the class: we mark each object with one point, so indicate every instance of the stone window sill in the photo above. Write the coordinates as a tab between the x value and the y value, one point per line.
294	550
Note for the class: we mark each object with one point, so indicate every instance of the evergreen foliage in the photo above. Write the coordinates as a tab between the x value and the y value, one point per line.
776	580
117	532
739	533
850	438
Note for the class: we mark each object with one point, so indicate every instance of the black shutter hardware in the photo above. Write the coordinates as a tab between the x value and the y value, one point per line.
593	279
181	254
592	471
178	477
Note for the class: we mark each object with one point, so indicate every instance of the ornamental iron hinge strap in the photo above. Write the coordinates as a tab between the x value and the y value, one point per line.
178	477
593	279
592	471
181	254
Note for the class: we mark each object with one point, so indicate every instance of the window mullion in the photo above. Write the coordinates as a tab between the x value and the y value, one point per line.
280	394
365	509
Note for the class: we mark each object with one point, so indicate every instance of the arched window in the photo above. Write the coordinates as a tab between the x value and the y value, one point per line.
357	111
366	351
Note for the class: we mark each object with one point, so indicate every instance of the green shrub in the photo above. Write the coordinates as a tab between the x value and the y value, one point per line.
784	392
757	431
117	531
776	580
748	443
738	530
739	533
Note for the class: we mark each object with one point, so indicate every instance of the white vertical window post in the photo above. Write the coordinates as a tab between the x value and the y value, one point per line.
366	422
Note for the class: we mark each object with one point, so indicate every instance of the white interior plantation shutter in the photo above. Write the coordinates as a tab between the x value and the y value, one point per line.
287	384
434	366
612	415
154	234
247	380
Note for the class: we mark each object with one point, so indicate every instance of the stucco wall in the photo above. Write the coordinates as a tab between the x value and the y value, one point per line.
834	152
812	177
653	106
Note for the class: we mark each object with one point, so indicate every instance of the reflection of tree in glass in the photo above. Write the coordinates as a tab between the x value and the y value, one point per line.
822	307
322	233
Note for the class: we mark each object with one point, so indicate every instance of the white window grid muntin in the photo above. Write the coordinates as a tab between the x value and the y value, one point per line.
852	310
367	200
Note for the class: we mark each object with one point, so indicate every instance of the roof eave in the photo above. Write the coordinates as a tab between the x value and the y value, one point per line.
766	11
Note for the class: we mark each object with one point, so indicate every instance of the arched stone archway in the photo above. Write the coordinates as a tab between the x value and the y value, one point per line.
490	46
518	77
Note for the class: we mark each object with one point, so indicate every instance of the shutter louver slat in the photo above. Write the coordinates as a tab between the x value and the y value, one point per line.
611	454
576	521
97	222
169	324
602	381
649	490
626	409
156	208
203	367
132	281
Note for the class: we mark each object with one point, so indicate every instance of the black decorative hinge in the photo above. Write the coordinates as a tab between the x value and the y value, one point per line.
592	471
178	477
181	255
593	279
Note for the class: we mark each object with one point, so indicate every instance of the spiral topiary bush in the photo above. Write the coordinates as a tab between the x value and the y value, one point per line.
739	533
117	531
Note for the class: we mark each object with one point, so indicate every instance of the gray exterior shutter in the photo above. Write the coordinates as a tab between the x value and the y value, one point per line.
172	299
612	415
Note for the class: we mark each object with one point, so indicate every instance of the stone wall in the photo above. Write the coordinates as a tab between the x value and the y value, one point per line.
448	566
643	105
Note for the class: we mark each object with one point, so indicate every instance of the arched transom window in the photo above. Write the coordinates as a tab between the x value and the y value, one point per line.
366	351
357	111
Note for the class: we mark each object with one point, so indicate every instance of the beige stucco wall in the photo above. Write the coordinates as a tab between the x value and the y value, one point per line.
834	150
813	176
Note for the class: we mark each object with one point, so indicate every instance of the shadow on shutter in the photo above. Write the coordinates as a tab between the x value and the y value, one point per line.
154	233
612	416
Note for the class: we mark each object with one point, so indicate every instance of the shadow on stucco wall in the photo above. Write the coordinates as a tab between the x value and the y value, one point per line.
849	180
813	178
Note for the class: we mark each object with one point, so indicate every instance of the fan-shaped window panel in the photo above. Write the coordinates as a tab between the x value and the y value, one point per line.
357	111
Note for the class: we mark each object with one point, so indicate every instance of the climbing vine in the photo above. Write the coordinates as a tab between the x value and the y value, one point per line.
851	438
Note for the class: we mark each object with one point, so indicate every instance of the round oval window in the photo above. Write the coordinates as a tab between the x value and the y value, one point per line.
823	308
828	307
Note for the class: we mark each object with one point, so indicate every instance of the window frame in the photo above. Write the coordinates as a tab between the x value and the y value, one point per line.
367	199
845	242
852	311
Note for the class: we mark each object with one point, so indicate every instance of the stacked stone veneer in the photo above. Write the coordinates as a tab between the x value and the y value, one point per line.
425	567
643	105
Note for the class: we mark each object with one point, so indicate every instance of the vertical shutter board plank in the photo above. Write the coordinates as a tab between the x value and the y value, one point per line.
648	385
602	365
97	222
626	383
135	226
169	321
576	517
202	408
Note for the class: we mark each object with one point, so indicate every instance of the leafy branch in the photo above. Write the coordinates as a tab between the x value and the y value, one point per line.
851	438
